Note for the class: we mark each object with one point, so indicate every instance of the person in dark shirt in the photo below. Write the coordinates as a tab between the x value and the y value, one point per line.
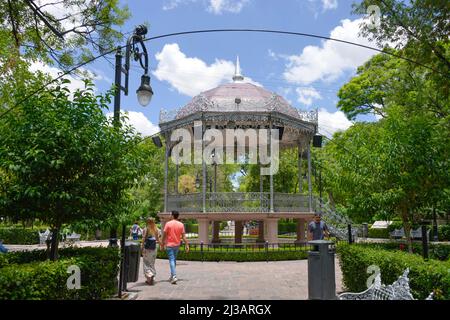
318	228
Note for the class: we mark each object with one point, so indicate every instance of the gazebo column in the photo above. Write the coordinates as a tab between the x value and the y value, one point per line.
163	224
166	172
176	179
203	171
238	229
260	231
271	175
271	229
203	230
216	230
300	176
309	178
301	238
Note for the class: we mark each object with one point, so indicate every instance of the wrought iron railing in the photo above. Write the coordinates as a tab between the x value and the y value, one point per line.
288	202
238	202
201	105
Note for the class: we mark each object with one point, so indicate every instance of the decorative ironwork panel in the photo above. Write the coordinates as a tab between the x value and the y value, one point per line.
287	202
237	202
399	290
185	202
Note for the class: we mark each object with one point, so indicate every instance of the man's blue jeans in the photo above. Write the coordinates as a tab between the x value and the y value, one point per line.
172	253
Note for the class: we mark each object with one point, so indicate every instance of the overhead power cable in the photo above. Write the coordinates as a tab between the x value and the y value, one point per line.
216	31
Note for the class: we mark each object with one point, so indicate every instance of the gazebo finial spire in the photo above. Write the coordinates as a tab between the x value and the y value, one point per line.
237	73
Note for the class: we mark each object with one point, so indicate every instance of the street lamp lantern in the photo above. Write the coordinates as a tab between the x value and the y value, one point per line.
197	182
145	92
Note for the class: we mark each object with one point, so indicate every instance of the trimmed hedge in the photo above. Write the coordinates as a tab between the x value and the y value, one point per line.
435	251
425	276
444	232
191	227
378	233
17	235
47	280
287	227
236	256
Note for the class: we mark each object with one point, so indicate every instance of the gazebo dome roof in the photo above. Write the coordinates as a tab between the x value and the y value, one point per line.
237	97
237	100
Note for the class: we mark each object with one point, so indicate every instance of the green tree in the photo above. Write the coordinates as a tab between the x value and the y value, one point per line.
64	161
33	29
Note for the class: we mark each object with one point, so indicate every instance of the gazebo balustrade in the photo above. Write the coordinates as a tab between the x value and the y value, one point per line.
238	202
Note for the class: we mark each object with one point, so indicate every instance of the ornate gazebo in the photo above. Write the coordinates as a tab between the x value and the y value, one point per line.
242	105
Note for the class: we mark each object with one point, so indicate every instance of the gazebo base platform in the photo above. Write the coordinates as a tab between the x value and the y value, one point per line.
268	220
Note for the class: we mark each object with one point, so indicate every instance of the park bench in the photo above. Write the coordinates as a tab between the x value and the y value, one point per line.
399	290
44	236
415	234
397	233
72	238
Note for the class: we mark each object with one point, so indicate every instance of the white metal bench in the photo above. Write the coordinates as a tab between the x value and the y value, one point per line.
72	238
44	236
399	290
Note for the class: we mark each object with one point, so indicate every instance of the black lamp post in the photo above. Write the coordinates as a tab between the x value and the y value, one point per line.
144	95
435	226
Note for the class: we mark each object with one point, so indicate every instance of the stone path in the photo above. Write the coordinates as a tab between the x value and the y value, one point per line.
277	280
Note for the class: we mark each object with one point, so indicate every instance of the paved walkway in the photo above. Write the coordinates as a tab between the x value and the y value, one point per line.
275	280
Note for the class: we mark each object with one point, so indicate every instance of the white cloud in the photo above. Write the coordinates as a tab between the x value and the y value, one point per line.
306	95
330	122
172	4
213	6
330	60
232	6
139	121
190	76
329	4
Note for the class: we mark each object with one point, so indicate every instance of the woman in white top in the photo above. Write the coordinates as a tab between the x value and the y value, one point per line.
150	238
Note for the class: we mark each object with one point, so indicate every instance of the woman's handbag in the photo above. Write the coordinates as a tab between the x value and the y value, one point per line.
150	243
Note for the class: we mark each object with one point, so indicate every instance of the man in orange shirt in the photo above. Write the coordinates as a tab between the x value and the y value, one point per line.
172	235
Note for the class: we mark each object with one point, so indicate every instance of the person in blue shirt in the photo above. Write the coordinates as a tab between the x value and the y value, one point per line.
3	249
135	231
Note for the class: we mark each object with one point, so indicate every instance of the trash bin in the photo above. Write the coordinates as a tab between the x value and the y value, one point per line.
131	262
321	272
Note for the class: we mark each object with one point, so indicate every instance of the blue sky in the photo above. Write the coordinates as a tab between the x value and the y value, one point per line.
308	72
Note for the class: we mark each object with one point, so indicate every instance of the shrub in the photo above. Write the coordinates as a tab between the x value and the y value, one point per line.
287	227
378	233
396	224
17	235
435	251
425	276
43	280
239	256
191	228
444	232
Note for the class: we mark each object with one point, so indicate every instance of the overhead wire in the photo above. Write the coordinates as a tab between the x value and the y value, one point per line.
214	31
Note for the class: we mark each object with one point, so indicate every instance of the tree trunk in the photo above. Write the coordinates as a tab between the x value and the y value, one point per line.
332	203
407	228
55	242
